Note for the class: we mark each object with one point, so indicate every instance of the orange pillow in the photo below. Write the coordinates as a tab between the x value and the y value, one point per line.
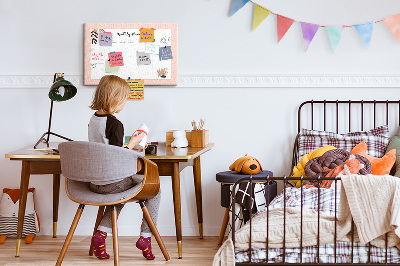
380	166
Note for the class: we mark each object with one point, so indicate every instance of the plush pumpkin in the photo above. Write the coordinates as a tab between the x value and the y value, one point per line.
380	166
246	165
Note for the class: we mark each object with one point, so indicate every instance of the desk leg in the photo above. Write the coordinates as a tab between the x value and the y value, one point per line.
56	199
25	175
197	187
176	190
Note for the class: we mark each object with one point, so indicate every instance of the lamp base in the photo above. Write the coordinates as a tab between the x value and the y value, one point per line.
46	140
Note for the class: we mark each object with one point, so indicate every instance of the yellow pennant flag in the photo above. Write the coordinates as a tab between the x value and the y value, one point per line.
260	13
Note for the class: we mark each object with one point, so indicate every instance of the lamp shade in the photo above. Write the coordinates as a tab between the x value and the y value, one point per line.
62	90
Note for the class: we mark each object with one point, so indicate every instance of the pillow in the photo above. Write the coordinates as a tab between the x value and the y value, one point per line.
380	166
394	143
377	139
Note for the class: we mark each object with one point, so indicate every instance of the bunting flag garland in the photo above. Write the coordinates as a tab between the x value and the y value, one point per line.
283	25
335	34
365	32
236	5
260	13
309	30
393	24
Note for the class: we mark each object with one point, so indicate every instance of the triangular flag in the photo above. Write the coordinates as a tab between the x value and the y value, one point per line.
236	5
365	32
335	35
283	24
260	13
393	23
309	31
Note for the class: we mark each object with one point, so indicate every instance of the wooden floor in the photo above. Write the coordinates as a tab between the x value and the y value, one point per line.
44	250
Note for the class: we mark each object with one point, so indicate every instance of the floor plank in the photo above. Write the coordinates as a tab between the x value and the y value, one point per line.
44	251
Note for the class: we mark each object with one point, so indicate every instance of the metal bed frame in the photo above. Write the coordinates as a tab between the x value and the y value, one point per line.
338	106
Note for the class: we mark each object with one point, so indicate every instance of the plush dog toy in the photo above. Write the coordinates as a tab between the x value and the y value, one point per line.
246	165
9	206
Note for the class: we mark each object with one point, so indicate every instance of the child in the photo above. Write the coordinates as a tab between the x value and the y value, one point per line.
110	98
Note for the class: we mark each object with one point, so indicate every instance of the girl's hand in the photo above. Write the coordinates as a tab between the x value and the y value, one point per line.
135	139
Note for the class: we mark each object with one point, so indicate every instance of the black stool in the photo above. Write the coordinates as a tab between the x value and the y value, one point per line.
229	178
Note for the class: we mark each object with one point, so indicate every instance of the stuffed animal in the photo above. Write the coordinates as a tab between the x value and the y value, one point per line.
180	140
9	205
246	165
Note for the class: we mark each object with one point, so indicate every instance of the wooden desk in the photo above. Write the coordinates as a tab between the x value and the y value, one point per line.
170	162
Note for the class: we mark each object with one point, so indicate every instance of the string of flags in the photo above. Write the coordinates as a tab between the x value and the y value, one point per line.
309	30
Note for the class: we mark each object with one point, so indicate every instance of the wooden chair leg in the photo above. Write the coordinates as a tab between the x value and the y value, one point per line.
223	227
70	234
115	234
96	225
154	230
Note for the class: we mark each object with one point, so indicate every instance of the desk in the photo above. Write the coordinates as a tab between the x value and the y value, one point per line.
170	162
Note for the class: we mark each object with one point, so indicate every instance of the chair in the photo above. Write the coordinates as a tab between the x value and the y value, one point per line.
82	162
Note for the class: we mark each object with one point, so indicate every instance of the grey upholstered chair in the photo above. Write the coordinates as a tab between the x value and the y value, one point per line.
83	162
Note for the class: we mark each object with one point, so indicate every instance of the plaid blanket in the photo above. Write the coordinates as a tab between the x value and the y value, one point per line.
326	252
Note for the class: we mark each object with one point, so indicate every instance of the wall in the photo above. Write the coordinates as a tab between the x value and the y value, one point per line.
246	86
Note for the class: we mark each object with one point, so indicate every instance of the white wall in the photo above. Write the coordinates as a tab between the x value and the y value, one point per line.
40	38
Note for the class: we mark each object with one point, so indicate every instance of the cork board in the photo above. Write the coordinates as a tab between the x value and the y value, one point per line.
146	51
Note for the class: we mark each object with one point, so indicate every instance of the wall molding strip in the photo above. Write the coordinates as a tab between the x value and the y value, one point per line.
243	81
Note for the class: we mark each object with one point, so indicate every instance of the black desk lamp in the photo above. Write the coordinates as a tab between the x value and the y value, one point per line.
61	90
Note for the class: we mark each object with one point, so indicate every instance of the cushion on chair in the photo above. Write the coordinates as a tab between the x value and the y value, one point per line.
79	191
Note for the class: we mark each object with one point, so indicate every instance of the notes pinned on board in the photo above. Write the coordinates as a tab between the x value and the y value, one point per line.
146	35
116	59
105	39
143	59
110	69
137	89
152	48
165	53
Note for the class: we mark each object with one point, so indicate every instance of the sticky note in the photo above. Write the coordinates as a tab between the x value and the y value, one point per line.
146	35
137	89
105	39
165	53
152	48
116	59
143	59
111	69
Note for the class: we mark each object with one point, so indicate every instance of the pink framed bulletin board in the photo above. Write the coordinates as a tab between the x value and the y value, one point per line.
146	51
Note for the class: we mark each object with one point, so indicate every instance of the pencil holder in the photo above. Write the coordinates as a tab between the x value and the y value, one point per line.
199	138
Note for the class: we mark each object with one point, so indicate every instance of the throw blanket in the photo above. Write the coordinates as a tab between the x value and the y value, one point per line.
372	201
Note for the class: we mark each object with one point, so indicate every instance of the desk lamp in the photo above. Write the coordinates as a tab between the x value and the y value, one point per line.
61	90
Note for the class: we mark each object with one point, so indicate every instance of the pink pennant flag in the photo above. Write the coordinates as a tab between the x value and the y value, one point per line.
309	31
283	25
393	23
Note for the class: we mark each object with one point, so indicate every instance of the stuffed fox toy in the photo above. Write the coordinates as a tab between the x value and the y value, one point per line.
246	165
9	205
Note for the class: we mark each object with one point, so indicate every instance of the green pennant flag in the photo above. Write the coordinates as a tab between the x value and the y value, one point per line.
260	13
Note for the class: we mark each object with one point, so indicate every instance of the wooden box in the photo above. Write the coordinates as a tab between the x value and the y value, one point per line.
170	138
199	138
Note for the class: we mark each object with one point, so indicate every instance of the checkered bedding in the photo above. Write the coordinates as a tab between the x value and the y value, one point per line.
326	252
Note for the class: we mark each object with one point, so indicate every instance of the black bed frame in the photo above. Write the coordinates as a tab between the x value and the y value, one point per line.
343	115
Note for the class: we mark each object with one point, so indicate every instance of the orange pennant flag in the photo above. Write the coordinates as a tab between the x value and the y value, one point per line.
283	25
393	23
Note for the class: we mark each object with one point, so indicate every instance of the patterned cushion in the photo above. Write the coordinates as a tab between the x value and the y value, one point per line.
377	139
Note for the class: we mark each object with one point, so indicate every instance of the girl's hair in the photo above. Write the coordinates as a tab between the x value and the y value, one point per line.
109	93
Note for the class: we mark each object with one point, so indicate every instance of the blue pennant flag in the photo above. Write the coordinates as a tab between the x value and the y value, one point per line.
236	5
365	32
335	35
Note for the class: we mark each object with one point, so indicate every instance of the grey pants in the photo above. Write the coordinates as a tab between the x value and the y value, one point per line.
120	186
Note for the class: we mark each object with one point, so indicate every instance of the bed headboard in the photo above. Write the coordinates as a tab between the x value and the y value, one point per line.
347	116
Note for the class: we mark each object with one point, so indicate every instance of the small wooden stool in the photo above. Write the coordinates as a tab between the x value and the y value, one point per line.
229	178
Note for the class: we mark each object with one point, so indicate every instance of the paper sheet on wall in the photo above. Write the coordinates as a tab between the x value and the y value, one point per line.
137	89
